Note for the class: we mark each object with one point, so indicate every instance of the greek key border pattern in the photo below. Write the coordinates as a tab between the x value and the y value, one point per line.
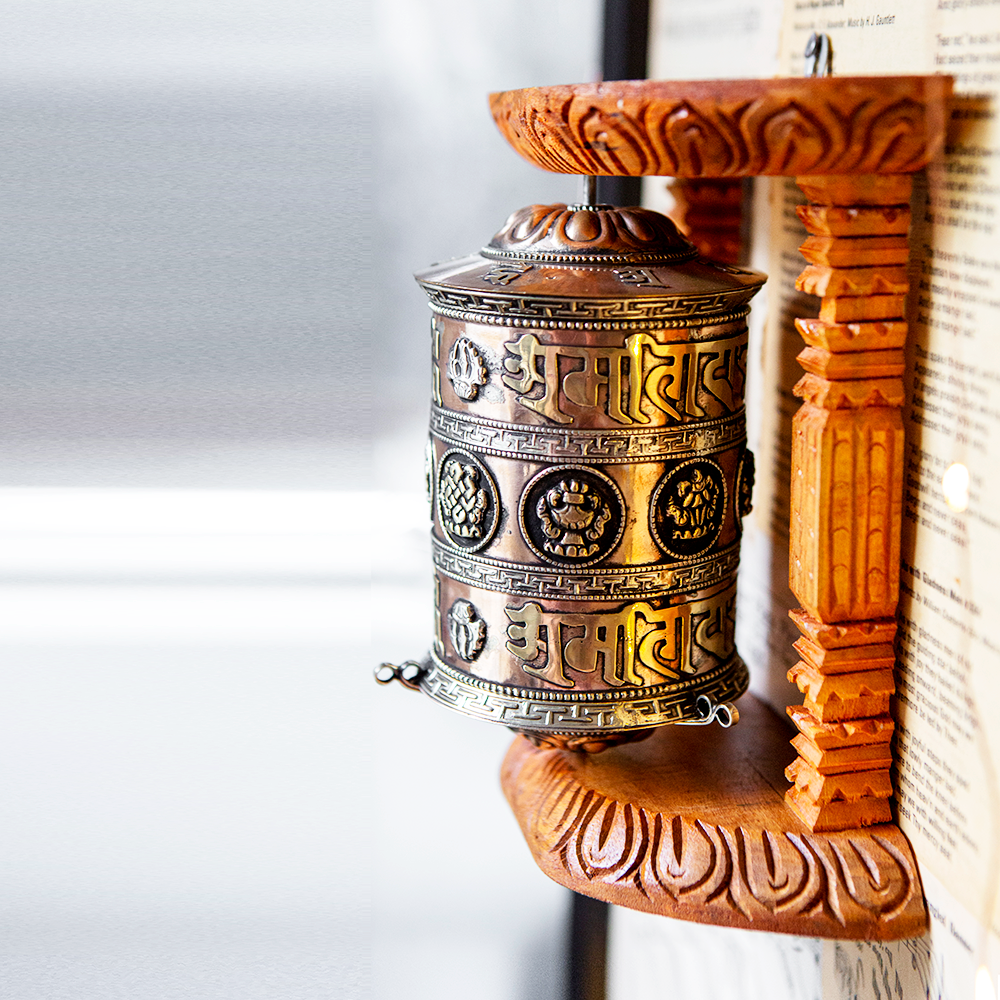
604	447
605	584
584	711
600	314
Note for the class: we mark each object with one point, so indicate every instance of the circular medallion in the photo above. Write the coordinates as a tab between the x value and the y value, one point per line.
467	500
744	486
429	472
467	630
572	515
687	509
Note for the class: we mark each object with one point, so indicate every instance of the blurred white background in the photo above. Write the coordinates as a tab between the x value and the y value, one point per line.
212	526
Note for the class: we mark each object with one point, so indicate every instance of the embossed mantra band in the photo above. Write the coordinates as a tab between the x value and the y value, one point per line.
588	475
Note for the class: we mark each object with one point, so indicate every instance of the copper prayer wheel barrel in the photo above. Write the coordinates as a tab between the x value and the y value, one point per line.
588	473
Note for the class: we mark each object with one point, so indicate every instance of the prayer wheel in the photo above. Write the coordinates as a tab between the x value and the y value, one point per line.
588	474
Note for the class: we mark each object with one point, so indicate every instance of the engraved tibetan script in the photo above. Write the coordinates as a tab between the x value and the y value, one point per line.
637	646
630	383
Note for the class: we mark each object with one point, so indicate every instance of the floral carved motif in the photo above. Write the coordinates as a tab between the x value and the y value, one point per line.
753	875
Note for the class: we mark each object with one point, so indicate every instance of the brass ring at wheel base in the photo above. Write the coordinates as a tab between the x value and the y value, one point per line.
569	713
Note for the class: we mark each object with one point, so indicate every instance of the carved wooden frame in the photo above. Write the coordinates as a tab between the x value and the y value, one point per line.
852	144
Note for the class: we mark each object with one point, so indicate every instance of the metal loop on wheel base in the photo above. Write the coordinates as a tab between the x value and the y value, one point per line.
408	674
725	713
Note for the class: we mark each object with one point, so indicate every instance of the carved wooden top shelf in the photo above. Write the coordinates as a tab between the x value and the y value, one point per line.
728	128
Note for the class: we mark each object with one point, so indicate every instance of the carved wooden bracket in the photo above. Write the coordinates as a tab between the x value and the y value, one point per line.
662	825
691	824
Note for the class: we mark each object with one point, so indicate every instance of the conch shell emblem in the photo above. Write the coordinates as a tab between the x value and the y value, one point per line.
466	369
467	630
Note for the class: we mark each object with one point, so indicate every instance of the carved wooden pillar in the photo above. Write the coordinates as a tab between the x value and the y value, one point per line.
710	213
847	473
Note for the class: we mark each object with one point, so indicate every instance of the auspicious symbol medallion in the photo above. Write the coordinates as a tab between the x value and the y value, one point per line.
467	630
744	485
466	369
572	515
468	502
429	472
688	507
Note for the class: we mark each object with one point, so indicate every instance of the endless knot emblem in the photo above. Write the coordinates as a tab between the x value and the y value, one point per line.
467	630
467	500
688	507
466	369
463	503
505	273
572	515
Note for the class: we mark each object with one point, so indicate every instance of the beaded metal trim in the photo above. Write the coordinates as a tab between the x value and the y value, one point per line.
652	257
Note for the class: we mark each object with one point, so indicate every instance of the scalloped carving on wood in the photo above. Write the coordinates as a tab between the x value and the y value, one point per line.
728	128
686	826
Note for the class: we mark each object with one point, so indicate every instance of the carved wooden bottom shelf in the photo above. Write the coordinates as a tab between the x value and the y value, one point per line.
691	823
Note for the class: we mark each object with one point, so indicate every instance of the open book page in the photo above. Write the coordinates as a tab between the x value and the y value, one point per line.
948	747
948	744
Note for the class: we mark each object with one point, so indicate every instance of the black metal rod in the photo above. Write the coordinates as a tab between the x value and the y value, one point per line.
586	972
623	57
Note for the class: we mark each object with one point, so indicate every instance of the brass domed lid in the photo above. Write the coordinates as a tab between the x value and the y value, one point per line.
590	234
589	267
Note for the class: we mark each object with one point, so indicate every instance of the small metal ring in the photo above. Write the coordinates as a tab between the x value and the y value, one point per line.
725	713
386	673
408	674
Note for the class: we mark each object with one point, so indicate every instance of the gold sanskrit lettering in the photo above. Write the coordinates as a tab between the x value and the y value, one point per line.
637	645
525	375
630	384
672	386
527	642
603	368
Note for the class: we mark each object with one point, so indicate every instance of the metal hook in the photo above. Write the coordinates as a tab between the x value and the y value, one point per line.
819	55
